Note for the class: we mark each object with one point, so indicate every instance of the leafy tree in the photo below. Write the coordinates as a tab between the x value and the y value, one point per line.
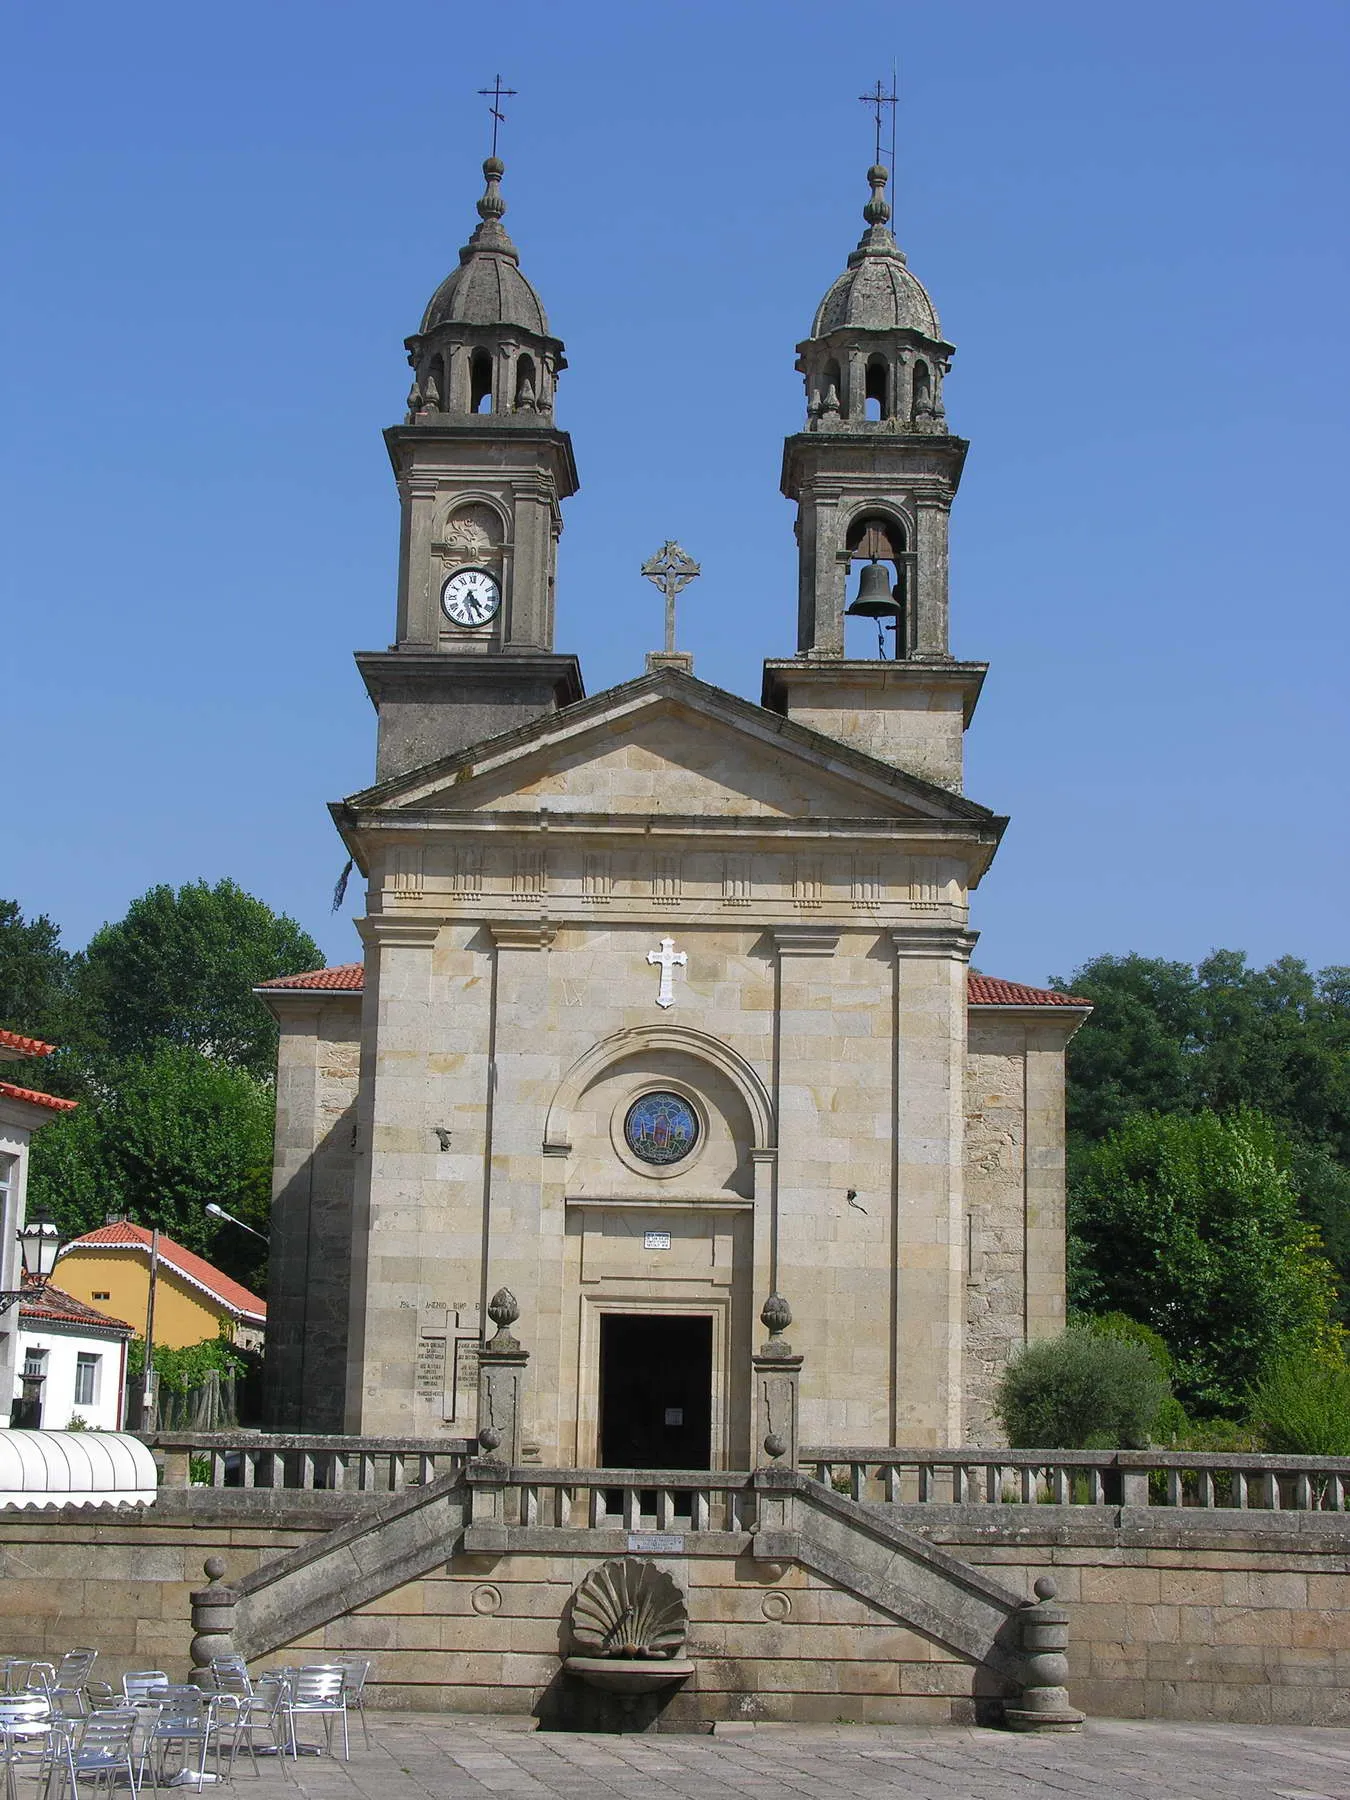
1191	1224
36	997
1302	1406
180	969
1084	1390
157	1139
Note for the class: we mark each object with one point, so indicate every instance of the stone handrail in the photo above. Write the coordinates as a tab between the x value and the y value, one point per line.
634	1500
304	1461
1160	1478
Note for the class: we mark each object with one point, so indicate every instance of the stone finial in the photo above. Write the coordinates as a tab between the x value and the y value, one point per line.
503	1310
877	211
212	1620
492	206
1043	1704
775	1315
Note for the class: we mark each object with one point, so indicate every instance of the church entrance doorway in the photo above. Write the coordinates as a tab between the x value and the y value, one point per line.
655	1391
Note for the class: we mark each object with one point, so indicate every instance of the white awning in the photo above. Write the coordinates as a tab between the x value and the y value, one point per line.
75	1468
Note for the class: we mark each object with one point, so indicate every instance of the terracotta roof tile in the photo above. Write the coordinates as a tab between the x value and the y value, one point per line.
985	990
348	978
988	990
24	1046
33	1098
55	1304
124	1235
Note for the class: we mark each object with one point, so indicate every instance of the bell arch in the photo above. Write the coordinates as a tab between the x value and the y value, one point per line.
660	1036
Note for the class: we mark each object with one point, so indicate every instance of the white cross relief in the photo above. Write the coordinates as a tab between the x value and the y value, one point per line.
668	958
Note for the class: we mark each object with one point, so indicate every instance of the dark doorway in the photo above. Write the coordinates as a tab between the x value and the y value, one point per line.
655	1391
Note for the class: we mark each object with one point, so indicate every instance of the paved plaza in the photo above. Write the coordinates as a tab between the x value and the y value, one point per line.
434	1755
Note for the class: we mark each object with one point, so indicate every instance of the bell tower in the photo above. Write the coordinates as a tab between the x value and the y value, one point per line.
873	474
482	472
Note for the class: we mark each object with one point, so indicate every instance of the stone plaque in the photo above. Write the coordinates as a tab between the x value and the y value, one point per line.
466	1377
657	1543
430	1368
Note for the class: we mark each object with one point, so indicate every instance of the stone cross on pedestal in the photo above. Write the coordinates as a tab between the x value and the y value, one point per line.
667	959
671	569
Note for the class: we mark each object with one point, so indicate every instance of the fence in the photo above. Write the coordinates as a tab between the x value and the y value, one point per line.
1158	1478
367	1465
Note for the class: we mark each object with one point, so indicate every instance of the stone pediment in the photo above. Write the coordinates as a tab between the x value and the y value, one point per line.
667	744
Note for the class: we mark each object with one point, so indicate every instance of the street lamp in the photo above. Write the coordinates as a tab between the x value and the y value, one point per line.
219	1212
39	1246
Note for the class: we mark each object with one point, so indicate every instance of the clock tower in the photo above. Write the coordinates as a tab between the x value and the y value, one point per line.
482	471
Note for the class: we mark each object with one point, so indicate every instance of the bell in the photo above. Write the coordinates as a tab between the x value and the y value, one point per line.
875	599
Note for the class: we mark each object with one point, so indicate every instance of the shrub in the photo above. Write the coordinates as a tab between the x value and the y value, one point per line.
1302	1406
1081	1391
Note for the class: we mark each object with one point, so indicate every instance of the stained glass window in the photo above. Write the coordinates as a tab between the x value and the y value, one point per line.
661	1128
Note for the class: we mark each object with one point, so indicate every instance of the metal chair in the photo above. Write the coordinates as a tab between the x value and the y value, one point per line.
318	1690
102	1748
66	1682
354	1676
186	1719
143	1684
26	1736
261	1713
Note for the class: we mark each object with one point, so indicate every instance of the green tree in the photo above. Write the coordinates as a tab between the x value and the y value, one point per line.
37	998
157	1139
1190	1223
180	969
1083	1390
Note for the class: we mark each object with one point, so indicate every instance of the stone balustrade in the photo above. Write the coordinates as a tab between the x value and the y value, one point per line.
636	1500
307	1462
1156	1478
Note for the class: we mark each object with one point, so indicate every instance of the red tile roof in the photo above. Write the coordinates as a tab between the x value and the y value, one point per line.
988	990
985	990
123	1235
348	978
55	1305
33	1098
24	1046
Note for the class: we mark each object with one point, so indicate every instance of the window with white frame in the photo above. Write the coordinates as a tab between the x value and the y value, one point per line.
9	1178
86	1379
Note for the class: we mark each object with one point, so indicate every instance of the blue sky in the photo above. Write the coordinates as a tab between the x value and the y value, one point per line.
222	222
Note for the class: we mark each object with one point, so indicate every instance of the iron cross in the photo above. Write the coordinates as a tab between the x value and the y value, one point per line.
495	95
671	569
668	959
876	100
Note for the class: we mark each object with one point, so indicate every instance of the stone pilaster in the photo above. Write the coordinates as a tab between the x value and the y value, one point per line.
396	1133
930	1052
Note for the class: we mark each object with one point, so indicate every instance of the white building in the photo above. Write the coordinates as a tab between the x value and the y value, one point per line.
71	1365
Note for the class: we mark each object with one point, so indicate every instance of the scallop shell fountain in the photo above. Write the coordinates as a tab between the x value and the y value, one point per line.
629	1625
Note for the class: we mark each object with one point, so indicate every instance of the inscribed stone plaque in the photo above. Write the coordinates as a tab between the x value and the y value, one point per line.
430	1368
658	1543
466	1377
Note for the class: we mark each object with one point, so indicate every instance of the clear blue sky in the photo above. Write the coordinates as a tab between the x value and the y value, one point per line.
221	222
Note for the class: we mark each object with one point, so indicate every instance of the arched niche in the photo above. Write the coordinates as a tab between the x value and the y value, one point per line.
735	1103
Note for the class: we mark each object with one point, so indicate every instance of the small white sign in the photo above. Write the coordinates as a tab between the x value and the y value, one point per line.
656	1240
657	1543
674	1415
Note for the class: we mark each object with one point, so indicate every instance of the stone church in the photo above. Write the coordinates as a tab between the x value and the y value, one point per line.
666	1002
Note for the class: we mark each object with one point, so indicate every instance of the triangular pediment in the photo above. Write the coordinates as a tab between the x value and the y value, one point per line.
667	744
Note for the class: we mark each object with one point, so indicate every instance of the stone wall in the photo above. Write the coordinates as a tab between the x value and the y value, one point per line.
1220	1617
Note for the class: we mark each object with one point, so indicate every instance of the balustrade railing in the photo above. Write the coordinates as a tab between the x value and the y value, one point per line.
1160	1478
308	1462
639	1501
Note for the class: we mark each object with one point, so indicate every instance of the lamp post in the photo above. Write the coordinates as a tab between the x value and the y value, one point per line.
39	1246
219	1212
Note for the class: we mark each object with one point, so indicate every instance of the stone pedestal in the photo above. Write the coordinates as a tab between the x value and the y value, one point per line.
1043	1704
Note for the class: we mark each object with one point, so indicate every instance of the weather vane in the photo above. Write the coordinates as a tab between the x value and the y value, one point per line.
496	94
876	100
671	569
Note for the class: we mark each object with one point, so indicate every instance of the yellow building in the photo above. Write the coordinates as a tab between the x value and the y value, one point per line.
110	1268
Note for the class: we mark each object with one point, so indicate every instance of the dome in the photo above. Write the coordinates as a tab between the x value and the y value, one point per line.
878	291
488	288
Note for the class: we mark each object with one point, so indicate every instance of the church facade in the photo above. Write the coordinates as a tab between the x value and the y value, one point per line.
666	1002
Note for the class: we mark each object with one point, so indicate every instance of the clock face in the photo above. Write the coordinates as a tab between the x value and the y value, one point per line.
471	597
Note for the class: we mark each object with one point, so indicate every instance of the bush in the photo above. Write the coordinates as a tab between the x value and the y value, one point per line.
1302	1406
1083	1390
